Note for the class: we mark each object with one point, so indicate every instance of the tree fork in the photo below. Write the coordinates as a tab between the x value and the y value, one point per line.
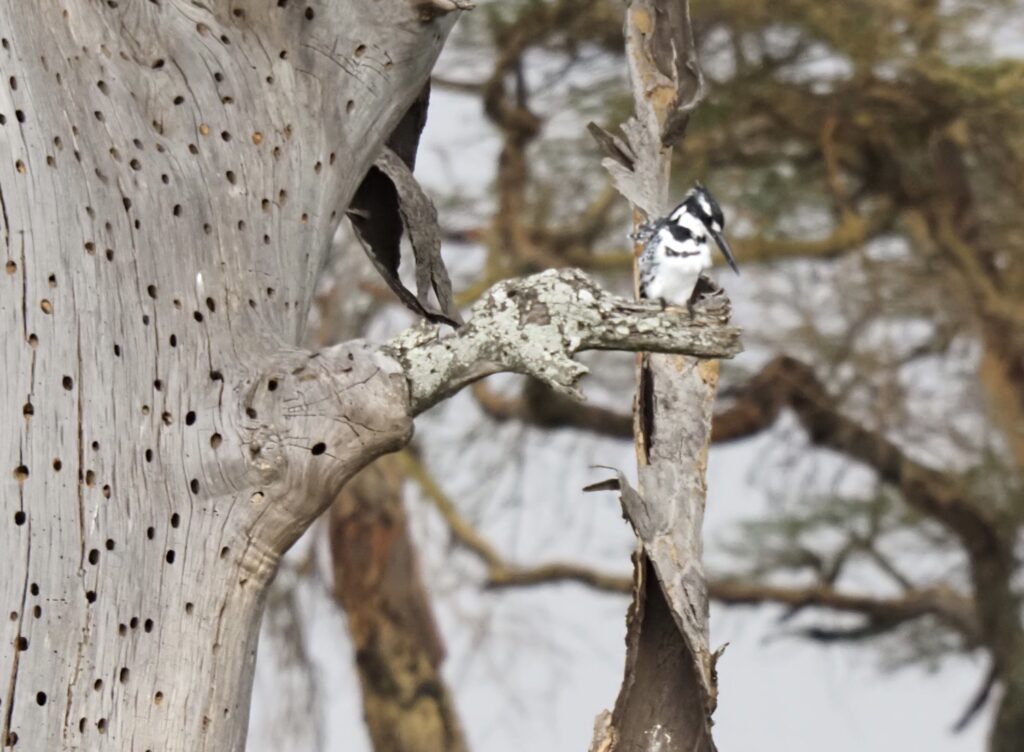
171	178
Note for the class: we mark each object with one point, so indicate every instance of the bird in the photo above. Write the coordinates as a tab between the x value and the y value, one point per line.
676	248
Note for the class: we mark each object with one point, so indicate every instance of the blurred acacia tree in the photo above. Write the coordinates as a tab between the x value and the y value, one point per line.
871	155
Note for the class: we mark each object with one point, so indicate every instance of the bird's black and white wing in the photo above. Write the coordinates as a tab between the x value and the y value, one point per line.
650	256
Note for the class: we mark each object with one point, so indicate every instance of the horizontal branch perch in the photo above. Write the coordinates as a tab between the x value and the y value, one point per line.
534	325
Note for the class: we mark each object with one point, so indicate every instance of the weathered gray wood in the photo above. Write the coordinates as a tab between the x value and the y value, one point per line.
171	176
668	691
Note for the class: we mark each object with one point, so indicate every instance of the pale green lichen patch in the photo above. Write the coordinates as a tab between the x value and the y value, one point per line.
535	325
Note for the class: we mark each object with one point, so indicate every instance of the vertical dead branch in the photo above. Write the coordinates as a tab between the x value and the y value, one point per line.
668	692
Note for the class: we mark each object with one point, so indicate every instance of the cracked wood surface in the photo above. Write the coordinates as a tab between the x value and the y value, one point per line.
171	177
668	691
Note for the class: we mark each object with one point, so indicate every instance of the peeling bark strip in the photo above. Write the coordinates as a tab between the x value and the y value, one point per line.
661	671
420	220
388	201
668	692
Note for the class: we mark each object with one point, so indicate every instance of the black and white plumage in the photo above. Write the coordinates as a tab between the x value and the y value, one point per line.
677	247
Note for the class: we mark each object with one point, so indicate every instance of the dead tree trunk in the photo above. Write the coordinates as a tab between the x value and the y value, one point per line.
171	176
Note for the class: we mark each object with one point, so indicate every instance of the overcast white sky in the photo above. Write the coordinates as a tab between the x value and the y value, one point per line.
531	669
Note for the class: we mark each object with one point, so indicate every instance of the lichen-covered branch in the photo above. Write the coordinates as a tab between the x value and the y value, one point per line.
536	324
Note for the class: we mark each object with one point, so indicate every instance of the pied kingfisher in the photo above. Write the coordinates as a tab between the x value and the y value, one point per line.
676	248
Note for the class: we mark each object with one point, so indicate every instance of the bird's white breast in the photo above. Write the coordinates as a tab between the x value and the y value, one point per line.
677	274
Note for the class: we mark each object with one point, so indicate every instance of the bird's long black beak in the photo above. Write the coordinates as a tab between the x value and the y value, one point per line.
726	250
